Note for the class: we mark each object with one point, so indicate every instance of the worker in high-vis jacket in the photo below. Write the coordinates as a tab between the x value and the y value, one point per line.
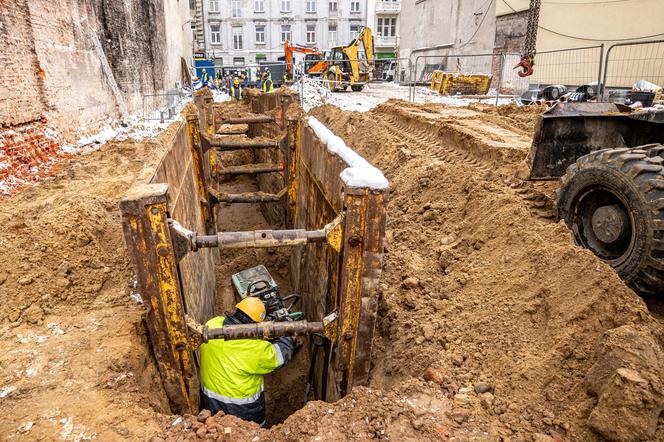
232	371
268	86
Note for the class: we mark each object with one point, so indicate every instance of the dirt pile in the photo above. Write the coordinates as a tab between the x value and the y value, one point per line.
76	361
419	412
493	299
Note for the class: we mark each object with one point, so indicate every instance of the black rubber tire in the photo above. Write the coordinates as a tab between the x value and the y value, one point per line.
357	87
636	178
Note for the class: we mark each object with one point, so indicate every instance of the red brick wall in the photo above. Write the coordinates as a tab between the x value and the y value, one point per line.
28	152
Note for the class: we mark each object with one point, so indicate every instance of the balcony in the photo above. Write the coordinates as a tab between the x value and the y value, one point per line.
383	7
385	42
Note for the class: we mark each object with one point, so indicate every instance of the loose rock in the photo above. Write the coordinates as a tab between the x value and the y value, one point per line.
482	387
411	282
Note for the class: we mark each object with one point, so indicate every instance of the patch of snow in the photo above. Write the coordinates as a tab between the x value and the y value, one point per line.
25	427
31	372
75	433
6	391
314	93
220	96
55	329
359	173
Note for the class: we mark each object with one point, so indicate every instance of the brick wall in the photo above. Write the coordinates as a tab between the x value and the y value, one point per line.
28	152
511	32
51	74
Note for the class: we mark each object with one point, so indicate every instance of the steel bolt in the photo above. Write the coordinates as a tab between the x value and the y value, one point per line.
354	241
162	251
348	336
154	211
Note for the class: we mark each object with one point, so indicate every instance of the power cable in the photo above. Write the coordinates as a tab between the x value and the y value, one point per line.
587	3
585	38
478	26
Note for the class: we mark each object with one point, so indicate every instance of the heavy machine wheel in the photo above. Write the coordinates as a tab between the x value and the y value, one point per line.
613	202
332	82
357	87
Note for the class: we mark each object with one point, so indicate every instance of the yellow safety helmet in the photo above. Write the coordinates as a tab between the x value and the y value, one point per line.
252	307
236	82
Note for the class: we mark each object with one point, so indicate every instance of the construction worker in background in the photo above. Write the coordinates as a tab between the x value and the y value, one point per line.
236	90
267	83
205	77
232	371
245	79
218	80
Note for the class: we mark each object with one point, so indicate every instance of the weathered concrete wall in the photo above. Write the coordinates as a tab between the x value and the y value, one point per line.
20	83
51	68
467	25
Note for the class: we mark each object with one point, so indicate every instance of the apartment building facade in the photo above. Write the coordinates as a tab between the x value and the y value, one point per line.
383	18
245	32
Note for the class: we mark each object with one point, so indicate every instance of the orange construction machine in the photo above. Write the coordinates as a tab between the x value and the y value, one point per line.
314	60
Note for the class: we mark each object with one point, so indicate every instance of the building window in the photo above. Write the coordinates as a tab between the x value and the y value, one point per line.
238	61
237	11
259	6
311	34
354	30
237	37
333	6
215	34
286	34
387	27
260	34
354	6
285	5
311	5
214	5
332	35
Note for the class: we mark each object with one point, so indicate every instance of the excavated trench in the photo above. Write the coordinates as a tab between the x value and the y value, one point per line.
284	388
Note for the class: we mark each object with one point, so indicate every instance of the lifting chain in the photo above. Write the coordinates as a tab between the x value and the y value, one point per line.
528	57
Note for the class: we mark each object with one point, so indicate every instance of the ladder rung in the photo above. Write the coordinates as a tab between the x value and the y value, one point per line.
251	169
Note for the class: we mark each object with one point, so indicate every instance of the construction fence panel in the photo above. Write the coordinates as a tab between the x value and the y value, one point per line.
571	67
627	63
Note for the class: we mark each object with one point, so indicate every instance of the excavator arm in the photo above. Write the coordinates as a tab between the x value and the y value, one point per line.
364	39
289	49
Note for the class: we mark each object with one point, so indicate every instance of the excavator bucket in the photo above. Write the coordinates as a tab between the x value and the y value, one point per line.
568	131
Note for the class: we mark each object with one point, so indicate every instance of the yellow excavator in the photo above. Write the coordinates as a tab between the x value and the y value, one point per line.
348	66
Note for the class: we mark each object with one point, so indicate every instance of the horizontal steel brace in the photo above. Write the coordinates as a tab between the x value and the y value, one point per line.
224	145
250	120
262	330
260	238
252	168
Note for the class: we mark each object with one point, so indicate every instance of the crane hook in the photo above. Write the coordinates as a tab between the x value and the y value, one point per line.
526	64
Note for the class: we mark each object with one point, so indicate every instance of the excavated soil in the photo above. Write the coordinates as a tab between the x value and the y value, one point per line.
492	323
76	361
